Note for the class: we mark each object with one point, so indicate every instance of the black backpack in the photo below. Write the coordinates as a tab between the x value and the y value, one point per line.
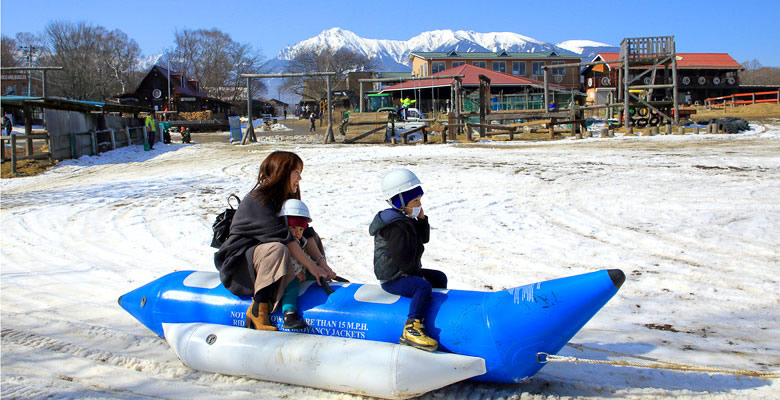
221	226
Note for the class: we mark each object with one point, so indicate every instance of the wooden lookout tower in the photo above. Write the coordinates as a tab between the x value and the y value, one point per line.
648	80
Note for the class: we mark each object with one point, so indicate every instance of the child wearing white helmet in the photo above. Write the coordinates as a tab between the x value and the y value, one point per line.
295	216
399	236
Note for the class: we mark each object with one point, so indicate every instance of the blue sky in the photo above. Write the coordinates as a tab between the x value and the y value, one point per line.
745	29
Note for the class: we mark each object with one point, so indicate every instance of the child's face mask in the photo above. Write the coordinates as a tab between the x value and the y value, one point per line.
414	207
415	212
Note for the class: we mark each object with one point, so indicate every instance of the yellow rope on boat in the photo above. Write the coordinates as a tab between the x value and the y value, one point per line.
545	358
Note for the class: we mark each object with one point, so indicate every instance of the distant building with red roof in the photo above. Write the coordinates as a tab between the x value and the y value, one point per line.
507	92
699	75
185	94
518	64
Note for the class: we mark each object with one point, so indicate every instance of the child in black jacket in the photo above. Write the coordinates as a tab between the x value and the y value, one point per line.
399	236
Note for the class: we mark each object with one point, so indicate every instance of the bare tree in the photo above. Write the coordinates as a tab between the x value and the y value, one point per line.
751	65
328	60
121	54
217	61
97	63
9	52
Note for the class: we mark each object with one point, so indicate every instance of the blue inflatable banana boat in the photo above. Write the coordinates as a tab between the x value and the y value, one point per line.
505	328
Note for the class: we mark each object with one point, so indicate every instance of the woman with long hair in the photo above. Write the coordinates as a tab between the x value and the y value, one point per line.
255	259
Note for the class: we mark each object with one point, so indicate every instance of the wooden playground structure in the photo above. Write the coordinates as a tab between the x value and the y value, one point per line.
647	71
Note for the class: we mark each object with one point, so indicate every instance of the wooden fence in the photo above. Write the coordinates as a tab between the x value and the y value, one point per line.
29	148
749	98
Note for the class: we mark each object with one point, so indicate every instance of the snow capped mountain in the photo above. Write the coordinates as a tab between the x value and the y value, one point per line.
146	63
587	49
393	55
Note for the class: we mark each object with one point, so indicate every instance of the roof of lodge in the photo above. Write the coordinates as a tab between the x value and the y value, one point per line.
686	60
471	75
453	54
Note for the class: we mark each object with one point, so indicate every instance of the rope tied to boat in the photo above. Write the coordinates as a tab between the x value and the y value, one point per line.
652	363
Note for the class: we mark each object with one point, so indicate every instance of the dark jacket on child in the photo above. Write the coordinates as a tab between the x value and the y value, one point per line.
398	244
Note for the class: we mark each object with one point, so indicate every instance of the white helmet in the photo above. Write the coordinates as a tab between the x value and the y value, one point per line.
294	208
398	181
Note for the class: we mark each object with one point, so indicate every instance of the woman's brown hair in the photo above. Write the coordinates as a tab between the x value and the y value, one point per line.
274	178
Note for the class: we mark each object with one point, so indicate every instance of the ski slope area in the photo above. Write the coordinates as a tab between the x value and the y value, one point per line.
693	221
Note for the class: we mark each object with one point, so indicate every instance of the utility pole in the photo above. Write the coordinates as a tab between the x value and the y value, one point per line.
28	58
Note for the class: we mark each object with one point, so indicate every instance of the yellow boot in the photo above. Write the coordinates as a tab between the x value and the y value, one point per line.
257	317
414	335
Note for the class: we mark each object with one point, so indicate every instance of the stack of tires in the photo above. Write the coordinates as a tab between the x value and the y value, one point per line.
728	124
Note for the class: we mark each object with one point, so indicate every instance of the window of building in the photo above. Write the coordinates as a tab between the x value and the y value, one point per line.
481	64
423	70
518	67
536	68
437	66
499	66
558	71
457	63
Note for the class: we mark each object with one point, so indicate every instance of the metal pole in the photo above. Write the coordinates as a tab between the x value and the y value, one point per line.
360	108
674	89
546	91
169	82
329	135
29	73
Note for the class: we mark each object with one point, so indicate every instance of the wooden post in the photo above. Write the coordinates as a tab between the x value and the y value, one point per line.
127	134
13	154
2	149
709	127
444	135
572	114
93	142
425	135
753	97
603	132
611	133
28	144
113	140
484	100
72	137
696	130
552	128
512	133
626	115
668	129
458	103
250	129
674	89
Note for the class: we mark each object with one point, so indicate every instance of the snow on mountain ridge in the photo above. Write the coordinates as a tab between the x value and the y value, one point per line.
394	54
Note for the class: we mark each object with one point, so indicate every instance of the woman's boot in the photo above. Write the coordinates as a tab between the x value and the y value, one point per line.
257	317
293	321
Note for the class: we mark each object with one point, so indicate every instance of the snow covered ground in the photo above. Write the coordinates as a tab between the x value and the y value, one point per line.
693	221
